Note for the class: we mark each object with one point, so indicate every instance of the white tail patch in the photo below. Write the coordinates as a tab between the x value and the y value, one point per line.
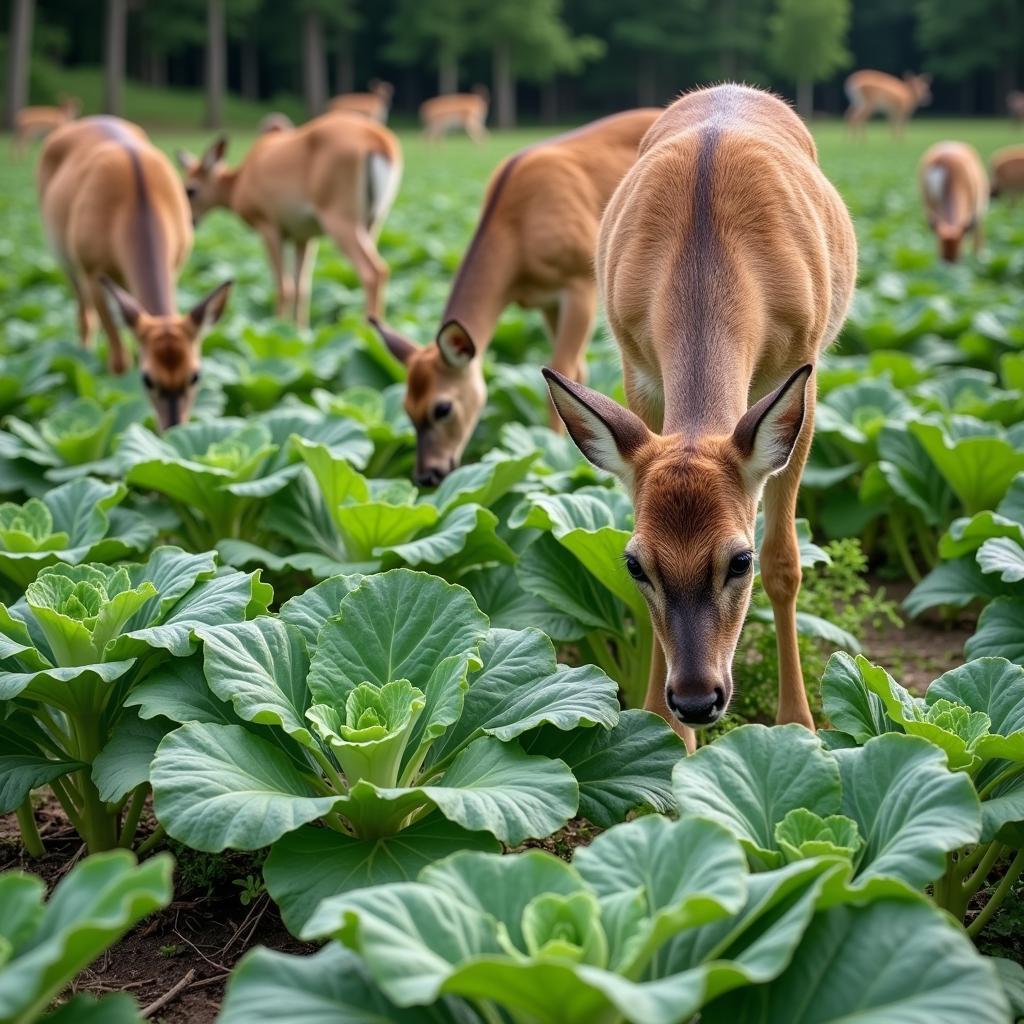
935	182
382	180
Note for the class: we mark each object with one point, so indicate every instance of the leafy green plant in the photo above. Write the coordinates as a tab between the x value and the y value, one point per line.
654	922
974	716
43	946
80	521
384	708
71	650
217	475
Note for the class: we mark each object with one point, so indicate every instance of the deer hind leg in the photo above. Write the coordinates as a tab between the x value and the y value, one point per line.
780	572
355	242
305	259
571	323
86	312
118	359
275	257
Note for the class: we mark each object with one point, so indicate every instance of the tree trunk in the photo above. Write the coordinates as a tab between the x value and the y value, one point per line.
314	63
216	63
250	71
647	82
344	69
549	101
113	56
447	75
805	98
504	87
19	57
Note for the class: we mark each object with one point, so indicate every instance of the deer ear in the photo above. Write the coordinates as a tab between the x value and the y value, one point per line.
129	308
607	434
215	152
208	311
186	161
766	434
401	347
456	345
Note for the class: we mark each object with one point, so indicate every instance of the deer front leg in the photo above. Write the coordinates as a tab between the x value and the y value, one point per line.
305	259
572	326
118	359
655	699
275	257
355	242
781	573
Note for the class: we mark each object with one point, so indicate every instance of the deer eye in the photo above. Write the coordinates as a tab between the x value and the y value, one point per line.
147	382
442	409
739	565
194	379
635	569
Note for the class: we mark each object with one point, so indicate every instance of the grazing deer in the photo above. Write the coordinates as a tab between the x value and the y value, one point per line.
871	91
727	262
375	104
336	175
1007	177
458	110
114	211
955	191
533	245
275	121
36	122
1015	105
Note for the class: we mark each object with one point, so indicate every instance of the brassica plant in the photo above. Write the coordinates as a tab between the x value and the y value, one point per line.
973	718
44	945
80	521
654	922
384	708
71	650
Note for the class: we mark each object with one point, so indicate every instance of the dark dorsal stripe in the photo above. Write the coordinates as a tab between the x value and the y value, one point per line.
150	247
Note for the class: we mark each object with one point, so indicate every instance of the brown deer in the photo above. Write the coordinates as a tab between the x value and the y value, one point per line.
37	122
375	104
465	111
875	91
955	191
336	175
534	246
1007	176
1015	105
116	216
727	262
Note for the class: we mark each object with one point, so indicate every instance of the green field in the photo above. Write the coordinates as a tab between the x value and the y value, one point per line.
333	683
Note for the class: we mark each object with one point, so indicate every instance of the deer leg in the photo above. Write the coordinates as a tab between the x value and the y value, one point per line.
355	242
275	257
305	258
655	699
781	573
86	313
118	359
573	325
979	237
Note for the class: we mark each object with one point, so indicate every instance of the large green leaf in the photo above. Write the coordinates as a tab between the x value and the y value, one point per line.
124	761
497	592
90	909
1003	556
955	584
992	685
219	786
481	483
850	705
886	963
467	537
308	611
1000	632
312	864
752	777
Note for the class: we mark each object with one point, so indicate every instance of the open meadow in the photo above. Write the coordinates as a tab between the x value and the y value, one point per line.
252	641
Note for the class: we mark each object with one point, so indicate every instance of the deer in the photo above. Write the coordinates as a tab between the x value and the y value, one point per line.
871	91
726	262
336	175
1007	173
37	122
275	121
533	245
116	217
1015	105
374	104
458	110
955	190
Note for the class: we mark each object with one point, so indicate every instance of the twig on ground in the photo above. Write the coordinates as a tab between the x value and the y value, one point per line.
172	993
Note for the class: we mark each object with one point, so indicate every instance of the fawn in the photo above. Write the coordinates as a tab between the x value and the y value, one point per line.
897	98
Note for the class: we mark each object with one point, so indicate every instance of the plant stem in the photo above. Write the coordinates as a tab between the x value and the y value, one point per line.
69	806
329	770
995	901
972	884
1004	776
151	842
898	532
131	819
29	832
969	861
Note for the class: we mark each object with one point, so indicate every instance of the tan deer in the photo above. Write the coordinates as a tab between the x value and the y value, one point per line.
375	104
37	122
1007	176
116	216
336	175
897	98
534	246
465	111
955	191
727	262
1015	105
275	121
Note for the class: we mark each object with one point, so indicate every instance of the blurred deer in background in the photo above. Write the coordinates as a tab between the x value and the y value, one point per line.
726	262
1015	105
875	91
955	191
1007	175
336	175
533	245
37	122
375	104
115	214
465	111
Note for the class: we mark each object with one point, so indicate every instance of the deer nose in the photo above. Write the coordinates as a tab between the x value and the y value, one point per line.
430	476
702	708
